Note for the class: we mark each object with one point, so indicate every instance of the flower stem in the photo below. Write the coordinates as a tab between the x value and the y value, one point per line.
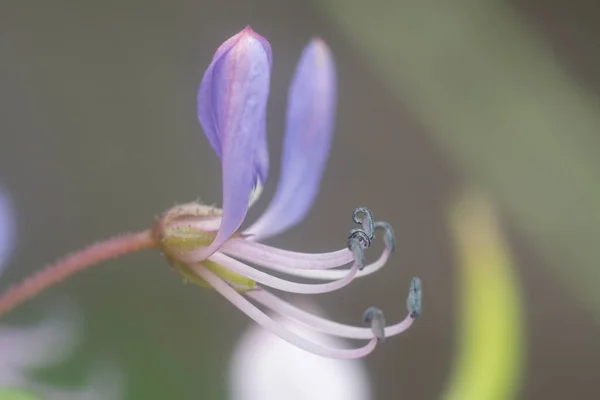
73	263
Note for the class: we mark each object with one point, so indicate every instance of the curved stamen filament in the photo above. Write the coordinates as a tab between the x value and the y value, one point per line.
321	324
266	256
282	284
333	274
304	264
278	329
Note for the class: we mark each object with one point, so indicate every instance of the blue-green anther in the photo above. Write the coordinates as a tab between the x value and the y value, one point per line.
357	249
364	216
415	295
374	317
389	237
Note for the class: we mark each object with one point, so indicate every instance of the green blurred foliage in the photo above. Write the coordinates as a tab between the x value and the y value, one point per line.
489	360
16	394
502	105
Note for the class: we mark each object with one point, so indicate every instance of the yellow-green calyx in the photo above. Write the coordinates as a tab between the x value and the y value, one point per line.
239	281
180	231
180	228
180	239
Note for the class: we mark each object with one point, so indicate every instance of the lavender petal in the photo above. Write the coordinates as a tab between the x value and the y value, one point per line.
309	130
232	104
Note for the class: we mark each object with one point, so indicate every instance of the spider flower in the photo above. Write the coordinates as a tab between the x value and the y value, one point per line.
204	243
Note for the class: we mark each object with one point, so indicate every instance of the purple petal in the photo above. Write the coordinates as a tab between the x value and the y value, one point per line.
7	228
232	111
309	129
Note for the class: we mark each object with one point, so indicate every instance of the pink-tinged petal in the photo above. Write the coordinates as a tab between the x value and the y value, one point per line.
7	228
309	130
232	111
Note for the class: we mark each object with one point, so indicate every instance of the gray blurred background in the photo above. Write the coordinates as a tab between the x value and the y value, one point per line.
98	135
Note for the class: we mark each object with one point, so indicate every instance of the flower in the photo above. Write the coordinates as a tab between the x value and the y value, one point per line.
23	349
265	367
203	242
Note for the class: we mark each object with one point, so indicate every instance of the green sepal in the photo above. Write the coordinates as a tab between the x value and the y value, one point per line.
241	282
184	238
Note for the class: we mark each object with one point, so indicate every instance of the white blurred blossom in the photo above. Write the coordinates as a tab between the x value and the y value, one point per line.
265	367
24	349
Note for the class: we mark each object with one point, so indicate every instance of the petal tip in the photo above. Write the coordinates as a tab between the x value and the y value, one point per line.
247	32
319	43
321	49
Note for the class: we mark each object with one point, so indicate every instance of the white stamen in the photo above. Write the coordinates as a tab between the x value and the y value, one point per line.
264	255
282	284
332	274
264	320
321	324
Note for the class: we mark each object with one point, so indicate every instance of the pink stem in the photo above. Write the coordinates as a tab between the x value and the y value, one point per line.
73	263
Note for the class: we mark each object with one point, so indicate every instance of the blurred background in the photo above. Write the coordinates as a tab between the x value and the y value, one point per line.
98	135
